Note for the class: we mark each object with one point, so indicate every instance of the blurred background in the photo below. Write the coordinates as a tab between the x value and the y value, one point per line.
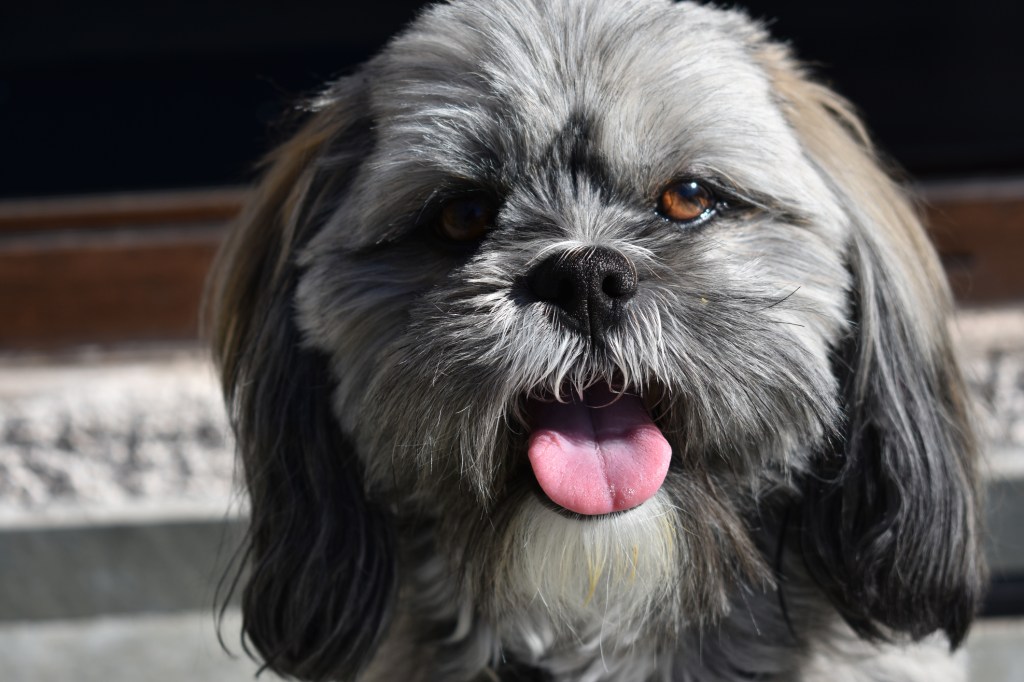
128	134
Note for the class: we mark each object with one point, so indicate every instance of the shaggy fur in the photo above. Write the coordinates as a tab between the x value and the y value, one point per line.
819	517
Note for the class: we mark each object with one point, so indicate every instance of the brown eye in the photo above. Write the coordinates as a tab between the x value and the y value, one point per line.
465	219
686	201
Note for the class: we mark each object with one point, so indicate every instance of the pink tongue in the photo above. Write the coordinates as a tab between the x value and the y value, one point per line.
597	456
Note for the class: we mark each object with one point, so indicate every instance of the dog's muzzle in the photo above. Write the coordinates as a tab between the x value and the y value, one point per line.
598	451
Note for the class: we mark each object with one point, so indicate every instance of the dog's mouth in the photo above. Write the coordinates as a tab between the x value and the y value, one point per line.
597	452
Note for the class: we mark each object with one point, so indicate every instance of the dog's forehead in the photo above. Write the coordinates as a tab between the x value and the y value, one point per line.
657	87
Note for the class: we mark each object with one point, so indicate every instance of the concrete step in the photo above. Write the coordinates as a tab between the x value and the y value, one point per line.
108	597
126	566
159	561
179	647
184	648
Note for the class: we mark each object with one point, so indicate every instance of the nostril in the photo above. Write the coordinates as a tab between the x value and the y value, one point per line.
551	283
619	285
565	293
558	290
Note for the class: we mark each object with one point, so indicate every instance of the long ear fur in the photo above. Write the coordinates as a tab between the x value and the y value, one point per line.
321	568
890	520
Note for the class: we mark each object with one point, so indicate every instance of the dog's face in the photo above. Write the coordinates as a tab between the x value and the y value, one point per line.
594	292
460	282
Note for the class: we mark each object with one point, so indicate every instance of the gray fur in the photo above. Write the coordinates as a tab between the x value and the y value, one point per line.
793	350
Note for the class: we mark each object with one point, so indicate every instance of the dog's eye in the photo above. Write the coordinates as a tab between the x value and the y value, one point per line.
686	201
465	219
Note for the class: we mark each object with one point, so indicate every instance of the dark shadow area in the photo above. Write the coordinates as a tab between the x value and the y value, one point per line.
128	96
1005	597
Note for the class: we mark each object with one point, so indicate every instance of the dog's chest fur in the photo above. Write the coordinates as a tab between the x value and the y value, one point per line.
754	642
438	636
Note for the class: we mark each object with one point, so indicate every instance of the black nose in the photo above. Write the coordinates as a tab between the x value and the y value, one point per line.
589	286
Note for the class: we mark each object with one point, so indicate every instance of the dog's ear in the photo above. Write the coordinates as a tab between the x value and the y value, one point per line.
890	526
320	572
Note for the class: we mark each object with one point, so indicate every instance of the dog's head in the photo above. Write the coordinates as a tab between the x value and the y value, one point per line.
594	292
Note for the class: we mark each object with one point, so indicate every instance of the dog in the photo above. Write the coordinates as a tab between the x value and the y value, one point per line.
588	340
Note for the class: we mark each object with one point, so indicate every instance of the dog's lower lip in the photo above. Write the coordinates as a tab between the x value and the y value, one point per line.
568	513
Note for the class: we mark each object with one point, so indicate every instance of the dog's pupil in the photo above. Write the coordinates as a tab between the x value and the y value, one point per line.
465	219
686	201
688	189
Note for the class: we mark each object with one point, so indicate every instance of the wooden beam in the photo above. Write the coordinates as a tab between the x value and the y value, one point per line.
978	228
113	288
131	267
118	210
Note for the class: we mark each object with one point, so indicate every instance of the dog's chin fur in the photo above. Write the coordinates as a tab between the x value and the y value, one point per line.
818	519
618	569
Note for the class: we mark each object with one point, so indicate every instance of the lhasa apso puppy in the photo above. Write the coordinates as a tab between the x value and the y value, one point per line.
586	340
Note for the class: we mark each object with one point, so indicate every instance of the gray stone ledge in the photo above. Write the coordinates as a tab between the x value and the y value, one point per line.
138	428
111	433
991	345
